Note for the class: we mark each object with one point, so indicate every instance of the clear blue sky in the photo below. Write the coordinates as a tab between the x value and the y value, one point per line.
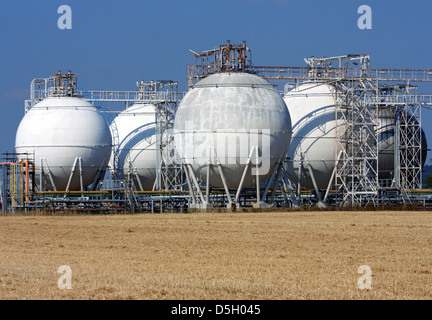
112	44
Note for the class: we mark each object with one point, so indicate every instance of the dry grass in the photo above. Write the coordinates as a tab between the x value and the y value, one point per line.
273	255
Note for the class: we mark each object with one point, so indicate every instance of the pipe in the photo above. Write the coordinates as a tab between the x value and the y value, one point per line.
196	183
27	168
314	181
332	176
189	184
26	164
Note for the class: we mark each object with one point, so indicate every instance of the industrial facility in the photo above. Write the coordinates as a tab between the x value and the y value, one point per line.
332	133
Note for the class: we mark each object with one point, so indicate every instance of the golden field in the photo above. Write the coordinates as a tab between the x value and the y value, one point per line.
247	255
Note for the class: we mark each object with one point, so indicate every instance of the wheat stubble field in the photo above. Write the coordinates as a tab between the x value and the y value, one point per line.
268	255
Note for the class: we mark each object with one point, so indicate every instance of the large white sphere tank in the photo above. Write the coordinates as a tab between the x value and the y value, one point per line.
222	118
135	132
312	109
60	130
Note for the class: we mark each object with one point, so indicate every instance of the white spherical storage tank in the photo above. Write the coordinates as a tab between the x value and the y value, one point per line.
312	109
135	129
70	140
223	119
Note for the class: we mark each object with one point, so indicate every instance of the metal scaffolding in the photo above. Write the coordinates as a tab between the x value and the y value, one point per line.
229	57
356	176
410	146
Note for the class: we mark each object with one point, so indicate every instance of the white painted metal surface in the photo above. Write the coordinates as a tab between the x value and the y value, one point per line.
69	137
312	109
222	118
136	129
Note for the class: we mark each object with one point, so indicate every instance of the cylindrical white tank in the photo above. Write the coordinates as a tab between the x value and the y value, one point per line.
312	109
69	138
222	118
134	129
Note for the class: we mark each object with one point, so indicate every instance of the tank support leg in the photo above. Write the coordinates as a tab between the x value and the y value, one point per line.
41	172
288	186
50	175
188	179
320	202
224	183
271	181
276	183
81	174
192	174
71	174
282	187
299	179
274	180
257	176
332	177
138	179
99	175
244	175
314	181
